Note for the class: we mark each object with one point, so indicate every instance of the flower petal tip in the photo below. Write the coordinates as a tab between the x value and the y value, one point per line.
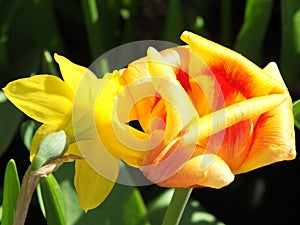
58	57
291	154
185	34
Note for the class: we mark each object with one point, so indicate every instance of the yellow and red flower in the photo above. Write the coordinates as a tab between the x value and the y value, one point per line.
206	113
210	114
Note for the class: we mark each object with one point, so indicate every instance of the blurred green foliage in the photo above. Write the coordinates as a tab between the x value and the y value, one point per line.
32	31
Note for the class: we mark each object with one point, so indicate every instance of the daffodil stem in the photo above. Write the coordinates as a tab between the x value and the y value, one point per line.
29	183
177	206
28	186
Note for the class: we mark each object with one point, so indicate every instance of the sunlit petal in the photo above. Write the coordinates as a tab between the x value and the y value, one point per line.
105	119
44	98
92	188
251	108
274	133
239	71
179	108
207	170
71	72
272	71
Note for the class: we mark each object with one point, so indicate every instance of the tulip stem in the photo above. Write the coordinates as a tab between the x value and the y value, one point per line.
177	206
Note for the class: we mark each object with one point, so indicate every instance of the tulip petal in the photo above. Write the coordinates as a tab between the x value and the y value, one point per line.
92	188
106	119
252	108
272	71
232	144
236	69
274	135
44	98
274	139
179	108
143	94
71	72
207	170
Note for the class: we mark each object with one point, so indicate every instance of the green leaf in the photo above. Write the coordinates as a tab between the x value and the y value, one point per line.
174	24
9	123
53	200
2	97
8	11
0	213
51	148
124	204
40	199
10	193
100	32
40	13
290	40
252	33
194	213
296	111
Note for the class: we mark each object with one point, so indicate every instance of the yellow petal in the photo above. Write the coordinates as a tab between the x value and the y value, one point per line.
272	71
274	139
40	135
138	86
241	73
207	170
92	188
231	115
44	98
179	108
274	133
73	150
71	72
97	122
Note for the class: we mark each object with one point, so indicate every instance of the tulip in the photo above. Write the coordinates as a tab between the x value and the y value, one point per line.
209	114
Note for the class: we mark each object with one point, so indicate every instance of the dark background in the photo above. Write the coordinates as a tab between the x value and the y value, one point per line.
268	195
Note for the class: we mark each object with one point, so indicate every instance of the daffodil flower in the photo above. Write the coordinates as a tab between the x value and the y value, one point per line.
49	100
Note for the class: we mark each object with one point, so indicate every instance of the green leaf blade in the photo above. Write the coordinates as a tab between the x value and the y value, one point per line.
9	122
123	202
53	200
10	193
174	24
290	40
296	111
251	35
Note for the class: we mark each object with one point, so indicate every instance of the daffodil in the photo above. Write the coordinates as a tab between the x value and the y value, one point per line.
49	100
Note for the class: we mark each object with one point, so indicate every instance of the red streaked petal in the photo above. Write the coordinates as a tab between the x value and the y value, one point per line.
236	143
273	140
239	71
233	114
207	170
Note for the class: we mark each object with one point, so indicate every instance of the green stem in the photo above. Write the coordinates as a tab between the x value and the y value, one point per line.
177	206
